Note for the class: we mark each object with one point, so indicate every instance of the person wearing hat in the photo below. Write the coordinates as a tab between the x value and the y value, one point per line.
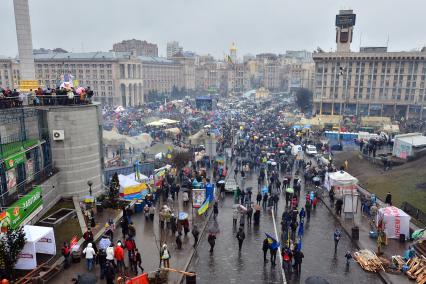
165	256
90	254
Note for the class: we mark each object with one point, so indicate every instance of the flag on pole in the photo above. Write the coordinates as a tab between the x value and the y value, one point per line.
203	208
273	243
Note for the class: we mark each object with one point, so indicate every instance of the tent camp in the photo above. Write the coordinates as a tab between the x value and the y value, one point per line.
168	121
343	182
395	221
113	138
38	240
131	189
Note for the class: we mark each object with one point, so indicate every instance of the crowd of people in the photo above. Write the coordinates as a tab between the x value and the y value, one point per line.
49	96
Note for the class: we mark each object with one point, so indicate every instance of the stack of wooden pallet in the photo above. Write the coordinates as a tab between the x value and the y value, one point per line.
417	269
368	260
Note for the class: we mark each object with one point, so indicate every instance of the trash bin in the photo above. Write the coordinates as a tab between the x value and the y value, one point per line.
191	279
355	233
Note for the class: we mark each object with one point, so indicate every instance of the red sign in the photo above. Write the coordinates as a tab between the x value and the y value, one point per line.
73	241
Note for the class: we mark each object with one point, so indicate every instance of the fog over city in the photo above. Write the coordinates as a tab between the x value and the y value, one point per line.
206	26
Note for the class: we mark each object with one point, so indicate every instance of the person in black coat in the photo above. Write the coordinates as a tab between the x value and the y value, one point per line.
388	199
265	248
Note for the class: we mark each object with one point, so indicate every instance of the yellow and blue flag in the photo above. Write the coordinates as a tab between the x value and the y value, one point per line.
273	243
203	208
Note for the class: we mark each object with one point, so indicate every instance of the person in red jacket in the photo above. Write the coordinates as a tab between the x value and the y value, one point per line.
119	256
130	246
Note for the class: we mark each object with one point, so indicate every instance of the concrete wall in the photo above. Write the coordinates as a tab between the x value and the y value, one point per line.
50	194
79	156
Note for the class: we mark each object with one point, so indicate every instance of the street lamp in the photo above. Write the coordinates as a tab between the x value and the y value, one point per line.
90	183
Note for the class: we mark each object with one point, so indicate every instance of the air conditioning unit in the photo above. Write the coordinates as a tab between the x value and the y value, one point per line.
58	135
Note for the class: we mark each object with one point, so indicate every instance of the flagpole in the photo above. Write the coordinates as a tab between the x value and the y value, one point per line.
279	247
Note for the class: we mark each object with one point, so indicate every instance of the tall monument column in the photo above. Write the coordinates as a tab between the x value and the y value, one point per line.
25	45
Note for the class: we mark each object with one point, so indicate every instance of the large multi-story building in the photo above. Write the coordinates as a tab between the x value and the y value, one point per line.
115	77
173	48
9	73
371	82
161	74
136	47
188	69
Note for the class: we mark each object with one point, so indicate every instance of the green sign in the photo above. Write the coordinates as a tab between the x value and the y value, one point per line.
19	211
14	160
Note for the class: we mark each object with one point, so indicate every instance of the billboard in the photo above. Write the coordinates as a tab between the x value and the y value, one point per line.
345	21
22	209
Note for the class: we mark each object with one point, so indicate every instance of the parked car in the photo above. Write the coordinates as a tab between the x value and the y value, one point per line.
311	150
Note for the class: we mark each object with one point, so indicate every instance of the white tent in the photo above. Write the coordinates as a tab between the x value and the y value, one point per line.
396	222
141	177
169	121
38	240
126	181
343	182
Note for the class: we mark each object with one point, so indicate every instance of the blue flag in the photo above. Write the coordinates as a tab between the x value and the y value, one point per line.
273	243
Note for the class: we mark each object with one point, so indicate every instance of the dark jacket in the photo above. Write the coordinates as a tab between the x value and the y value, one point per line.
265	245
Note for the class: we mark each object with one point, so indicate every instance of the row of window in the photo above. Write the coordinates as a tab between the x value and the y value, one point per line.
66	65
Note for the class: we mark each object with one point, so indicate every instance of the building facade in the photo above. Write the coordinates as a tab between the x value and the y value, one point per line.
173	48
136	47
389	84
161	75
115	77
371	82
9	73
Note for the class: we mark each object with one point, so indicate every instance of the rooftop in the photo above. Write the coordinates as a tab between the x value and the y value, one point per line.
155	59
415	139
83	55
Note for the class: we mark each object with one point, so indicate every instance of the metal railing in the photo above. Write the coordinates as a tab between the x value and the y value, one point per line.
44	100
22	188
414	212
10	142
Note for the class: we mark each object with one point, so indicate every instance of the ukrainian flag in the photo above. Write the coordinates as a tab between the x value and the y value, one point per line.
273	243
203	207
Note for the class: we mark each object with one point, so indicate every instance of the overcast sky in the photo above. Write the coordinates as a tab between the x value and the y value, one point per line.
210	26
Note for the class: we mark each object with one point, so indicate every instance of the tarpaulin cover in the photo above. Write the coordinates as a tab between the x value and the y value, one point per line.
38	240
395	221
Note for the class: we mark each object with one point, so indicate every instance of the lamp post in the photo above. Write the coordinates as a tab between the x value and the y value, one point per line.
90	183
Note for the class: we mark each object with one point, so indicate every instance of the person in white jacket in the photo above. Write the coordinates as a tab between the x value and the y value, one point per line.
90	256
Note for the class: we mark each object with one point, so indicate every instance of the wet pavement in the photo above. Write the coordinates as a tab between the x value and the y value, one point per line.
227	265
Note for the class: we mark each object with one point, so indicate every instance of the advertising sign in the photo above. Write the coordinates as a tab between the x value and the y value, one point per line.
345	21
11	179
29	166
14	160
22	209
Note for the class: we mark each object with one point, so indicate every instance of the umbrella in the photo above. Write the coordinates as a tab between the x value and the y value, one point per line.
221	182
183	215
104	243
289	190
243	207
80	90
417	234
316	280
274	163
316	179
265	189
86	278
214	228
